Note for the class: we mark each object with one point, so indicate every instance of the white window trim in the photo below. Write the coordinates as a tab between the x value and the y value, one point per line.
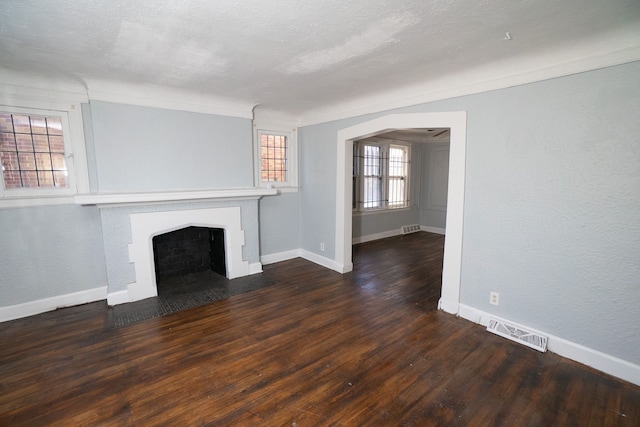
27	101
407	176
384	145
291	184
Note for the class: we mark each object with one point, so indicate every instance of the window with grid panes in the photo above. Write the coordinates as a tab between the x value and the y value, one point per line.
381	176
273	157
32	150
276	159
372	177
42	152
397	177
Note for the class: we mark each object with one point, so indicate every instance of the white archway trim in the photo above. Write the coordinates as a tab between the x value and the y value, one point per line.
457	122
144	226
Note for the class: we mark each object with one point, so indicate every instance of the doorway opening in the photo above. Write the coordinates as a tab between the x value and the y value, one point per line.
456	122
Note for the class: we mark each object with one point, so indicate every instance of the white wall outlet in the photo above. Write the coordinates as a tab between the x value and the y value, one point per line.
321	247
494	298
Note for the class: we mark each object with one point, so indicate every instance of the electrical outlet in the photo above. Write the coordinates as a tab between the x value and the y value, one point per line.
321	247
494	298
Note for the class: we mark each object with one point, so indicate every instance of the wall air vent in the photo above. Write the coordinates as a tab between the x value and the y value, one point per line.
406	229
517	334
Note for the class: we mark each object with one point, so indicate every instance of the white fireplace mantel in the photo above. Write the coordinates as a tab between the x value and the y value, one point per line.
129	199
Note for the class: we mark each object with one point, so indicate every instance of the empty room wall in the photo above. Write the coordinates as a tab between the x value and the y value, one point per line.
433	202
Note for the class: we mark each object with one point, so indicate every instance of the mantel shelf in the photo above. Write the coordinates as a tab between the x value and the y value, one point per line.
120	199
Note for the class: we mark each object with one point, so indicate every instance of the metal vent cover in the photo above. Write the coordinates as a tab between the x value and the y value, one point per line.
406	229
518	334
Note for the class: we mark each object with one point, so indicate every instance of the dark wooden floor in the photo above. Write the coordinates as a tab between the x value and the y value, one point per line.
315	349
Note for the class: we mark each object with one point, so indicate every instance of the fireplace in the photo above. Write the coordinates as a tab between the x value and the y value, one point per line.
131	221
145	226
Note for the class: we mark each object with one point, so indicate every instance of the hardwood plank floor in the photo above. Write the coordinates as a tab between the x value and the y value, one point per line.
315	349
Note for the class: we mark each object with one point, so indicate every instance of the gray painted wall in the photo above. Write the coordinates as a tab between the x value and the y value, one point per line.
318	183
49	251
552	206
279	223
434	180
152	149
90	148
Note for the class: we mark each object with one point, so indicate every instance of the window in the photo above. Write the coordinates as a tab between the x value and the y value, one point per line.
43	157
380	175
372	177
398	168
276	158
37	148
273	158
32	151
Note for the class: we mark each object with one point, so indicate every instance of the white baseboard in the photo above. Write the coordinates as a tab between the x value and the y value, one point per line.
435	230
601	361
48	304
319	259
376	236
309	256
280	256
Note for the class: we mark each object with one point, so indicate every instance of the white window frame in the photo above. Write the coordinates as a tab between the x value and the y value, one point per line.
406	177
361	179
75	153
291	135
384	146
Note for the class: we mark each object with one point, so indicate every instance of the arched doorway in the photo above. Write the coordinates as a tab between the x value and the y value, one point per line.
457	122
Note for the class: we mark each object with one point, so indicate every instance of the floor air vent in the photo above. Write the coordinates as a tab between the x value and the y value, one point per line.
514	333
406	229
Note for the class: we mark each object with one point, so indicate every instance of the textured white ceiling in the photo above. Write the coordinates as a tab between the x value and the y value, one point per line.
296	55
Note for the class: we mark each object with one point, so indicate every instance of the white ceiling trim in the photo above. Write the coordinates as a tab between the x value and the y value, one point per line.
147	95
493	76
20	89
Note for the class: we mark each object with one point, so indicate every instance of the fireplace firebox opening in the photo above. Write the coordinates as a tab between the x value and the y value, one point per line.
189	250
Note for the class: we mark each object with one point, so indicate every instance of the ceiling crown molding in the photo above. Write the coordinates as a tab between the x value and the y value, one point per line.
515	71
149	95
27	90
